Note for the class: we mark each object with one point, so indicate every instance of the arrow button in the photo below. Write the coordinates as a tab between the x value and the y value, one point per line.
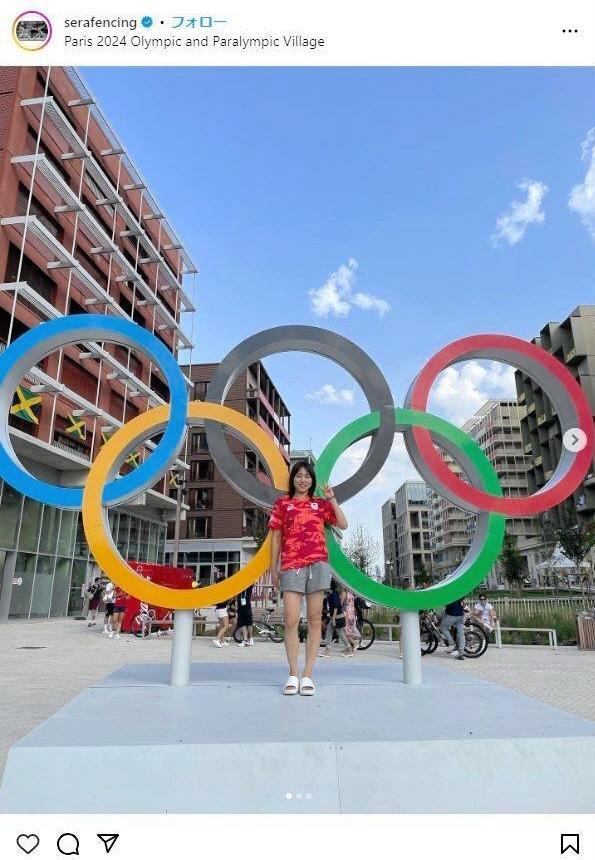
574	440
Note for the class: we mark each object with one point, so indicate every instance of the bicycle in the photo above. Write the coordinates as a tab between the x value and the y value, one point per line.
264	629
144	621
476	639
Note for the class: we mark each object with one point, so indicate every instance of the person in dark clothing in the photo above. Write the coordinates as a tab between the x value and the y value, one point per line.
94	592
244	605
454	614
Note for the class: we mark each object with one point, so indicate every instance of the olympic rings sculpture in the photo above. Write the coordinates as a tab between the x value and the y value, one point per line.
482	495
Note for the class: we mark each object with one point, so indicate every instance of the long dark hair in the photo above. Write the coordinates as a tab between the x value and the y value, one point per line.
301	464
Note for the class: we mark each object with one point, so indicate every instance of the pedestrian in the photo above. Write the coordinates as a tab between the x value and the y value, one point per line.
336	623
108	598
222	617
244	609
94	592
352	632
120	602
454	614
299	550
484	612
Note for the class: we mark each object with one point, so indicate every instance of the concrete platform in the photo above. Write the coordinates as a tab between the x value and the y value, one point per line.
230	742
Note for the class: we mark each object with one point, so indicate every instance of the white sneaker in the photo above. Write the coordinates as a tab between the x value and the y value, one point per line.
111	635
250	642
451	649
105	631
117	635
455	653
217	643
225	642
242	644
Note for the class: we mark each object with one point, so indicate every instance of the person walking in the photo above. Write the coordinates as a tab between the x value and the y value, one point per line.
352	631
245	620
299	560
336	623
120	602
222	617
94	592
454	614
108	598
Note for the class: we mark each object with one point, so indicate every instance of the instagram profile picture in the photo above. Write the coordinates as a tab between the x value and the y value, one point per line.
32	30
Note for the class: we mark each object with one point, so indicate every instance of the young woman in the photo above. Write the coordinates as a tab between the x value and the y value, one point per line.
299	550
222	614
120	601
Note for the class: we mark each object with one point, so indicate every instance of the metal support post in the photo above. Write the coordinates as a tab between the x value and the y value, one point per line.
411	647
181	649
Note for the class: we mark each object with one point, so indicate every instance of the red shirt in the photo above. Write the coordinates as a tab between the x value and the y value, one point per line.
301	523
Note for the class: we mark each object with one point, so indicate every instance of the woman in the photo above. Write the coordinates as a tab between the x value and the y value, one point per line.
120	601
222	618
336	622
245	617
299	550
352	633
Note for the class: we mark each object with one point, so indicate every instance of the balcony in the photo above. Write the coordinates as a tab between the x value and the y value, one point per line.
73	147
57	257
574	355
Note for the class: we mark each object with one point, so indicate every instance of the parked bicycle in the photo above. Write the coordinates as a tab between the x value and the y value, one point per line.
264	629
476	638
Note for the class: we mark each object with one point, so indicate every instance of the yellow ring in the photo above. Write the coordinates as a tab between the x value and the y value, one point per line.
96	525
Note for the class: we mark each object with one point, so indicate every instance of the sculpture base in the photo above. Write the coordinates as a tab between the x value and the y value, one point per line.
230	742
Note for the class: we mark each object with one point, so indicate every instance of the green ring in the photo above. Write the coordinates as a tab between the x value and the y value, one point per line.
469	577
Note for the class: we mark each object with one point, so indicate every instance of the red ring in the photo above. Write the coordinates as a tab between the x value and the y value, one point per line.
513	507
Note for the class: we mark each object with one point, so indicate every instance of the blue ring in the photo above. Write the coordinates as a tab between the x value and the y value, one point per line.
15	362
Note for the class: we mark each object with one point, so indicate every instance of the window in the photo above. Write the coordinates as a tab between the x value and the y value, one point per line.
75	308
201	470
198	527
159	387
199	443
126	305
35	277
201	499
31	146
88	263
35	208
200	390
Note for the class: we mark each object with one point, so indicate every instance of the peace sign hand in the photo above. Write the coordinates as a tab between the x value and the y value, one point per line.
328	491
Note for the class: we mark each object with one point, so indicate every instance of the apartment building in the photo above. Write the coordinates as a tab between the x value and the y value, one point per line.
451	528
408	550
80	232
221	529
572	342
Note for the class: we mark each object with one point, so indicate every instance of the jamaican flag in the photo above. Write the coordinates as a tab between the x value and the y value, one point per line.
26	405
77	428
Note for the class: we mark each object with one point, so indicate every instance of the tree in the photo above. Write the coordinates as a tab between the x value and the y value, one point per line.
512	561
260	526
361	548
576	542
423	577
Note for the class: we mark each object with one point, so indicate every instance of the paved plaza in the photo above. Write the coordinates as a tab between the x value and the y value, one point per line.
44	664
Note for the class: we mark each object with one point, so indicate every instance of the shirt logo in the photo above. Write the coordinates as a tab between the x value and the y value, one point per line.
314	506
289	507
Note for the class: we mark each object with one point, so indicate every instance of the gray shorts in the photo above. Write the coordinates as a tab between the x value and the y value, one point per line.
308	579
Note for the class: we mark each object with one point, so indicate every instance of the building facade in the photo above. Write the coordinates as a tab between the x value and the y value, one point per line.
411	546
221	529
80	232
451	528
572	342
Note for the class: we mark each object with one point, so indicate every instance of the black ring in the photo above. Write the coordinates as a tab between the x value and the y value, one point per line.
321	342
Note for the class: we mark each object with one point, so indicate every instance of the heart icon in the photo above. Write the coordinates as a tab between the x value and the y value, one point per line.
28	842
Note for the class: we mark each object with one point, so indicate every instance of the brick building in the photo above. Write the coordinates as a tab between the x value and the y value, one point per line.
219	527
80	232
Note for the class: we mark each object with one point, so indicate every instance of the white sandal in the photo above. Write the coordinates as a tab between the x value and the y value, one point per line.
291	686
307	687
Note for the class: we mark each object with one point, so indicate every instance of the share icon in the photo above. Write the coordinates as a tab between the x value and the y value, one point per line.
109	840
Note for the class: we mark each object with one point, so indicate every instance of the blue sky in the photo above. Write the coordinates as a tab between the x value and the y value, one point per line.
448	189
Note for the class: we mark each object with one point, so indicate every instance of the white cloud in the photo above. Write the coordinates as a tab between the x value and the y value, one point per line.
335	296
512	226
582	197
461	390
328	394
370	303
